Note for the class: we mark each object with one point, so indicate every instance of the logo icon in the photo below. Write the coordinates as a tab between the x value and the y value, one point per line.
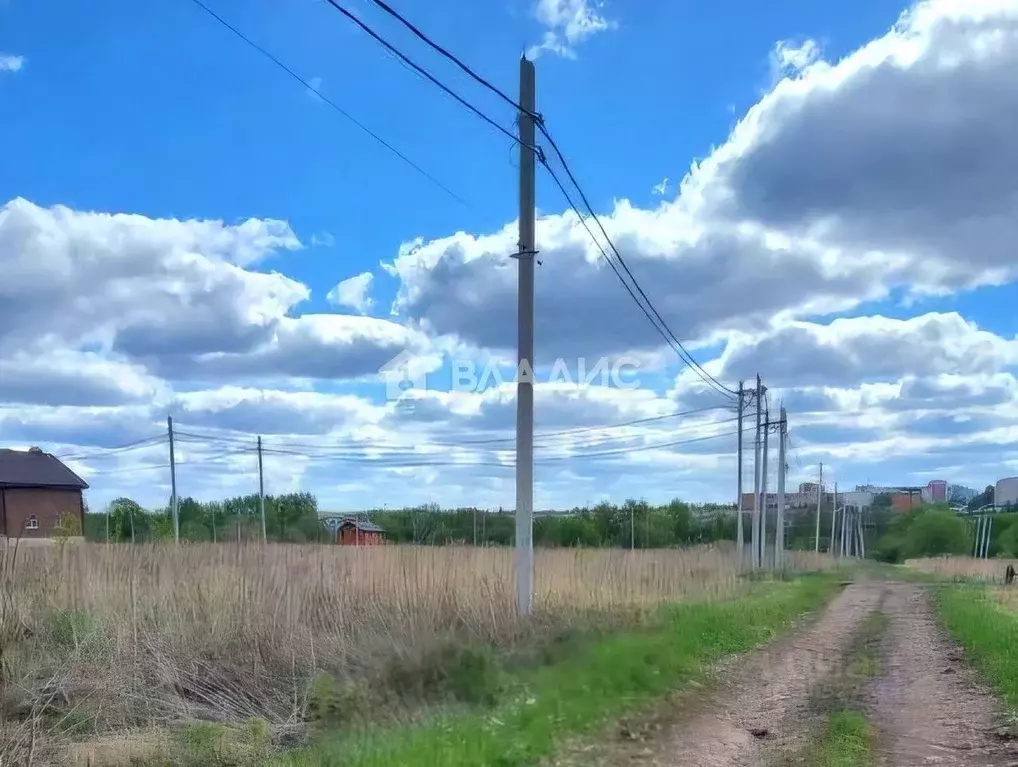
399	378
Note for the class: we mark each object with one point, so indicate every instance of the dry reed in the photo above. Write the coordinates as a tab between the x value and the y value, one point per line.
963	567
115	636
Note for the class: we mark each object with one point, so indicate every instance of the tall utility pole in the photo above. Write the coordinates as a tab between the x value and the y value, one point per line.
739	532
979	536
173	483
763	490
754	522
844	520
986	541
261	491
820	495
779	528
525	367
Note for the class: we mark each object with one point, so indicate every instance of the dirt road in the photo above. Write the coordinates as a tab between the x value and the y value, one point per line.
927	706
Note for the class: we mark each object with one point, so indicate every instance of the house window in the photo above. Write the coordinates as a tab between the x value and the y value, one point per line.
32	523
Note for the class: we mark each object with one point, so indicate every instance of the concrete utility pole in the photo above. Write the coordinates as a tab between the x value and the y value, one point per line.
261	491
834	526
820	490
979	536
739	532
986	543
754	523
173	483
860	537
525	319
844	523
779	528
763	491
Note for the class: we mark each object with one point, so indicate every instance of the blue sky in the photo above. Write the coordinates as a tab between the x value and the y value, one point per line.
845	232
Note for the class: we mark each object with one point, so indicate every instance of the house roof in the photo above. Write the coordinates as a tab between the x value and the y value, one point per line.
364	527
34	468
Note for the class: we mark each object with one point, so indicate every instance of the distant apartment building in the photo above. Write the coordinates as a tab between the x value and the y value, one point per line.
859	499
935	491
1005	493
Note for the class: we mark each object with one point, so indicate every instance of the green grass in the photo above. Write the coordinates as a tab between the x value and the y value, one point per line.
601	681
988	633
845	742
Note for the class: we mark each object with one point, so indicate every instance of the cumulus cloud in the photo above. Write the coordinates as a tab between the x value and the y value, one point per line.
892	169
850	351
789	59
180	298
567	23
67	377
887	173
354	293
9	63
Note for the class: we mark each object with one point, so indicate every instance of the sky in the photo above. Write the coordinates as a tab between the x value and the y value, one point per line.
824	194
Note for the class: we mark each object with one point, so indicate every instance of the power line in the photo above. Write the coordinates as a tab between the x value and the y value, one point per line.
424	73
101	452
453	58
330	102
669	336
665	333
192	436
683	353
656	446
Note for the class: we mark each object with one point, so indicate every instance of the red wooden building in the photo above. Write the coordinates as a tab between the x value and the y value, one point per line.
353	532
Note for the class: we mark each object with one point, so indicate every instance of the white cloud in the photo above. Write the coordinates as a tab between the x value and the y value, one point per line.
9	63
179	297
892	169
789	59
568	23
848	352
354	293
890	172
322	240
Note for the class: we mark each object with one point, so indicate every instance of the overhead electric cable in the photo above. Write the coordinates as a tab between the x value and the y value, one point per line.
330	102
683	352
453	58
426	74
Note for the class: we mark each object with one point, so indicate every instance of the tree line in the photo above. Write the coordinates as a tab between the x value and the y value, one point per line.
295	518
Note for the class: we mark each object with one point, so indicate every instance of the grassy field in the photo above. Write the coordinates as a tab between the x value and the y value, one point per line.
596	683
985	623
962	568
100	643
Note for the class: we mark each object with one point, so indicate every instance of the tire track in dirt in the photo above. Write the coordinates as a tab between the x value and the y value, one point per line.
763	706
929	705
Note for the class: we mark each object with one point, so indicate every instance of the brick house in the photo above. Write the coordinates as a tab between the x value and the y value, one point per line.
36	492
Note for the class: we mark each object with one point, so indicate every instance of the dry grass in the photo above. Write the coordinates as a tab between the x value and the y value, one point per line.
101	638
963	567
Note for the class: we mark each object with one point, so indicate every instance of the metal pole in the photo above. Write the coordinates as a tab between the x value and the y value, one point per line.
763	492
820	490
632	527
979	537
754	523
173	483
779	529
525	318
261	492
989	532
740	536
